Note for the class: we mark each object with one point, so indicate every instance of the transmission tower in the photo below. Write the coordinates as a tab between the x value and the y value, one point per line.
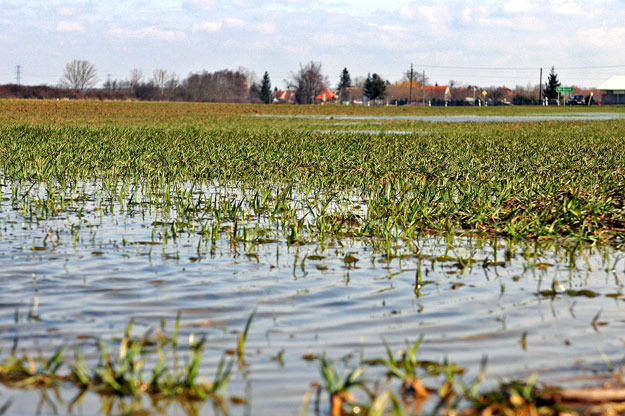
18	74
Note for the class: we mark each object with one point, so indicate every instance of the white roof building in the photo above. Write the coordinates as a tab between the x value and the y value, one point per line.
613	90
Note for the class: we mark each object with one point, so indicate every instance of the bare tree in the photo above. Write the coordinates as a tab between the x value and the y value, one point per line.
308	82
221	86
172	81
79	75
250	76
136	75
359	82
418	77
160	78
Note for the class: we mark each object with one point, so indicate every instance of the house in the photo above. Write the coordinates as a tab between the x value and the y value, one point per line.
613	90
284	97
436	93
506	95
325	96
352	95
466	95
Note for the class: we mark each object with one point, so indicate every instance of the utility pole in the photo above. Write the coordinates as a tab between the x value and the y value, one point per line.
411	77
423	86
540	91
18	74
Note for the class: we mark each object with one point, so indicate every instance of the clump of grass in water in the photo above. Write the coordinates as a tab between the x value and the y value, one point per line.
243	337
406	370
515	398
123	374
339	388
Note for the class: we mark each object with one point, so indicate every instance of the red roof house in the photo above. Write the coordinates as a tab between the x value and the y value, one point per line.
326	95
284	96
437	92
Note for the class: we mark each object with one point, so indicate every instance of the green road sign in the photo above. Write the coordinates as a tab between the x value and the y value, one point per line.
564	89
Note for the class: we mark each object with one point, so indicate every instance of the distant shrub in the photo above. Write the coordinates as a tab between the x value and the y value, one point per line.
522	99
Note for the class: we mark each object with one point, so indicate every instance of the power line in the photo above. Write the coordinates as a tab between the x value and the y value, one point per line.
506	68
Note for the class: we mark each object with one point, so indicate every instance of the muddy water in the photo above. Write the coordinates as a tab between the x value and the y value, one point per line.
89	283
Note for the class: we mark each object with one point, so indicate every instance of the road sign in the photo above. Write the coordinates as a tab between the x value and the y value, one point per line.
564	89
484	93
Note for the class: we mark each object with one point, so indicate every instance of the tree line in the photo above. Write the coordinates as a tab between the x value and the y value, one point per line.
227	85
241	85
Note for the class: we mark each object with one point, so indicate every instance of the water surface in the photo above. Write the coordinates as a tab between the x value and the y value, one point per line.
110	263
460	118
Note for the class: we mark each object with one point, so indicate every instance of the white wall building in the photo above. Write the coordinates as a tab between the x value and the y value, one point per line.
613	90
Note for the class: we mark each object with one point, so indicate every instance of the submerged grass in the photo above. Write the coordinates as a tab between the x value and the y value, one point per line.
546	180
125	375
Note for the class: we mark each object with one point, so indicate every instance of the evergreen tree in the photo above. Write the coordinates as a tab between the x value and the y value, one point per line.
255	93
265	89
374	87
345	81
551	84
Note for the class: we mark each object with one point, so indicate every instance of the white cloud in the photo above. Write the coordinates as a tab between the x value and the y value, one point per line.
567	8
208	27
437	18
262	45
329	40
388	28
519	6
216	26
65	26
293	50
65	11
266	28
149	32
234	22
199	4
612	38
406	12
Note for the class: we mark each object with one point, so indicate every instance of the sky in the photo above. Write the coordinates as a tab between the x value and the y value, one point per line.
484	43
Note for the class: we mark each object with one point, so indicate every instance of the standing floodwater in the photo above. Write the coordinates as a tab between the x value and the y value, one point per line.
487	240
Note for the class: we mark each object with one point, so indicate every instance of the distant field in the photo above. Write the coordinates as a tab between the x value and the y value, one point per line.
516	179
156	113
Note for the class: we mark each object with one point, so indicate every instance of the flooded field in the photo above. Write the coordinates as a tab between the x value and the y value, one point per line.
487	242
465	118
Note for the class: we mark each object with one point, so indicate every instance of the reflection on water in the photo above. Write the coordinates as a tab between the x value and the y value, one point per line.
461	118
61	400
401	132
549	308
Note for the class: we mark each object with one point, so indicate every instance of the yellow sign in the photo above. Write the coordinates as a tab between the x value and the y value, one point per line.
484	92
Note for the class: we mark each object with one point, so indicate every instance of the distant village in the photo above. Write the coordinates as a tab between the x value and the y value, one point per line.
309	85
610	92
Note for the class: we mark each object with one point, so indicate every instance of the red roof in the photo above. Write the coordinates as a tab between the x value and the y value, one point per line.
326	95
283	94
433	88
